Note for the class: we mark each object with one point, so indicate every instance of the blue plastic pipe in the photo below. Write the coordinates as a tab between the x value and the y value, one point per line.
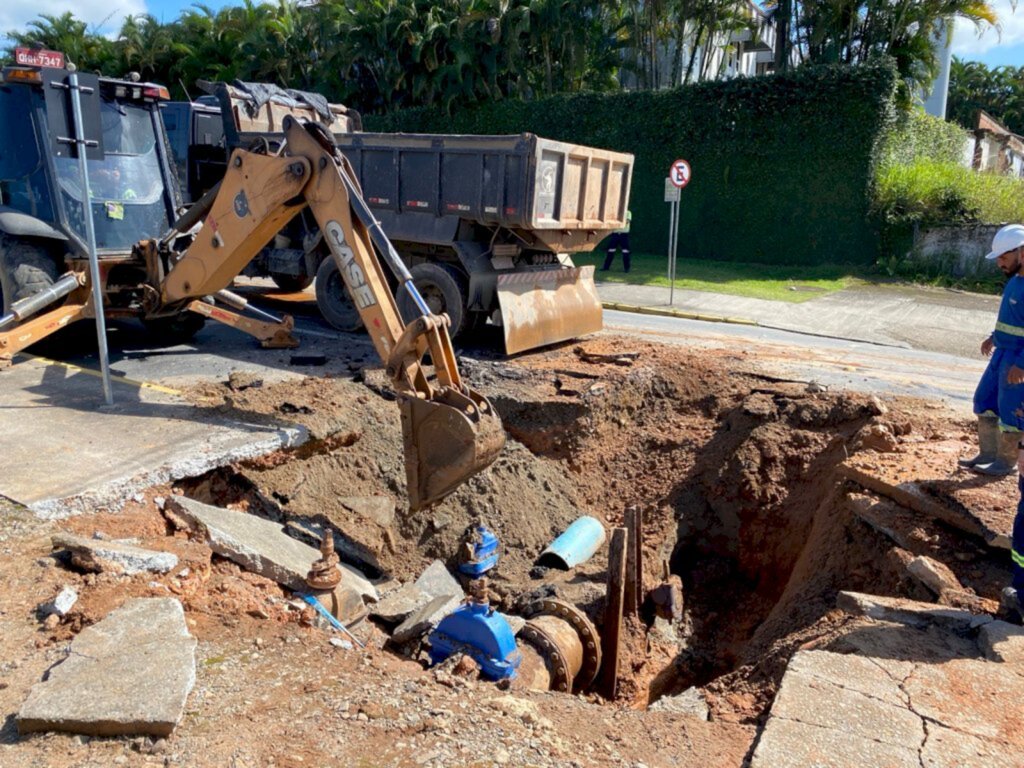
577	545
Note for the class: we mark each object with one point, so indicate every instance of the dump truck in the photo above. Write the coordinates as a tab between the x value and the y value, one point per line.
163	268
486	224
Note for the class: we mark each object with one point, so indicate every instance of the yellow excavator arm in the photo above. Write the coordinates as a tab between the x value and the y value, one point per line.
450	431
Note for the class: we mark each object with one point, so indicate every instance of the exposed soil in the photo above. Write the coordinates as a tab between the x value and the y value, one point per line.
737	473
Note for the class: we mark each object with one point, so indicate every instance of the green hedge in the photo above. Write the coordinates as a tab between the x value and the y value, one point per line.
916	135
782	165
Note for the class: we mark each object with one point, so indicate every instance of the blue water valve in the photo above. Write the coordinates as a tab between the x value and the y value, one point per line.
481	553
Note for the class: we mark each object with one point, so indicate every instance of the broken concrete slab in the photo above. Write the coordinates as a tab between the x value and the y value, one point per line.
260	545
102	555
951	748
151	436
1003	642
934	575
61	604
424	619
981	506
690	702
789	744
844	707
849	671
397	604
903	611
972	696
437	581
362	527
129	674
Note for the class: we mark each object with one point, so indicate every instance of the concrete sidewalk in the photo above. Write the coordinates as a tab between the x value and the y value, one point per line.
930	319
63	453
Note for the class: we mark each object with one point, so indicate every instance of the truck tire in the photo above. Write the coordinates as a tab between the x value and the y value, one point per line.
291	283
333	300
443	288
26	268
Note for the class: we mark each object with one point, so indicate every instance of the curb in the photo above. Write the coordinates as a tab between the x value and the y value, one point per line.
640	310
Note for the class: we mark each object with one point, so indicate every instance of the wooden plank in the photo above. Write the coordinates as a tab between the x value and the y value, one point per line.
638	545
612	629
630	603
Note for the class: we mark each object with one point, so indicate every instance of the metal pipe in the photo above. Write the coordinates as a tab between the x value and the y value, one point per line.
191	217
576	545
568	643
90	236
31	304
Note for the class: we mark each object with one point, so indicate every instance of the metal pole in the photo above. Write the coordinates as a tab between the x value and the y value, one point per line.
90	238
668	263
675	247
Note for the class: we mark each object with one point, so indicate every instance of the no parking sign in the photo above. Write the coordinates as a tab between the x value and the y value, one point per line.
680	173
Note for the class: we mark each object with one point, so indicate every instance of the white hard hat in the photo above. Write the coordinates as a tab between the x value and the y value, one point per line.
1009	237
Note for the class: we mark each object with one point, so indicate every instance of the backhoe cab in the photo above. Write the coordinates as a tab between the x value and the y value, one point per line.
450	431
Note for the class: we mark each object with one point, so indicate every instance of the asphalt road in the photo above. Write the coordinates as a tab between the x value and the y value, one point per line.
216	351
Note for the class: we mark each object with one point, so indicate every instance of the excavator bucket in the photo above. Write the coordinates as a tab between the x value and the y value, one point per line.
447	440
548	305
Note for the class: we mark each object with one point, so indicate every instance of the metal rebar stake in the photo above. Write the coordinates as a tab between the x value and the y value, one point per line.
90	238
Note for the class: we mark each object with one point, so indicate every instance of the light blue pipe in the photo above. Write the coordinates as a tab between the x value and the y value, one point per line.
576	545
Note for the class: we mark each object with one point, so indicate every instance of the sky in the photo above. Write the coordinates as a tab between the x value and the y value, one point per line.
992	47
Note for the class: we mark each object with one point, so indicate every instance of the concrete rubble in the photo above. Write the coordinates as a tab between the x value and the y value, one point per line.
424	619
101	555
260	545
395	605
1003	642
910	612
61	604
689	702
981	508
934	575
363	527
437	581
419	606
129	674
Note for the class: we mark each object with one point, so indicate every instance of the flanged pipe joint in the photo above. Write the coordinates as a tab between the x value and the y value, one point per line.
566	645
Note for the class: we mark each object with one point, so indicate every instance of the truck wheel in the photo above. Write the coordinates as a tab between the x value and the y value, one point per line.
443	288
332	297
25	269
291	283
174	329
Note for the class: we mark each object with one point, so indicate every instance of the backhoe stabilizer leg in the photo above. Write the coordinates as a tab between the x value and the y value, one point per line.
37	328
270	335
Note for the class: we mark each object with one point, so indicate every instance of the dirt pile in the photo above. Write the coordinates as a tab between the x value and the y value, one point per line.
740	475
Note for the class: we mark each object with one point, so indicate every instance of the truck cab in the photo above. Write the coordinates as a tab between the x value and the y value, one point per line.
133	191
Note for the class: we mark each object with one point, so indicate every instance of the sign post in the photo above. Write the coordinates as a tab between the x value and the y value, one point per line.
80	142
678	177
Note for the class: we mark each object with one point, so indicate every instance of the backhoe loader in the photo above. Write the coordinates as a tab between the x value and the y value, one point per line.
450	431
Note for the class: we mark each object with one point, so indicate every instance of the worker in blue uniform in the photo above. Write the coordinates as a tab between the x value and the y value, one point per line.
1012	601
999	401
619	240
999	398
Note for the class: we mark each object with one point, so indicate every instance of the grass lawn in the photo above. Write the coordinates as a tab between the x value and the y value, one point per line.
761	281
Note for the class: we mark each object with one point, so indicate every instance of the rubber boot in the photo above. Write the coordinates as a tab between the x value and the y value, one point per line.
1006	460
988	442
1010	607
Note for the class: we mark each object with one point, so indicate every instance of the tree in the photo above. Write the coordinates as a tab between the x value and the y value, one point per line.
856	31
999	91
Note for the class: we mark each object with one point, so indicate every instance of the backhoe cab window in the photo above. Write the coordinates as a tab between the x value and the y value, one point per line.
126	186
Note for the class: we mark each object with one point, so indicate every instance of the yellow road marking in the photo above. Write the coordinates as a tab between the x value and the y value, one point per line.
89	372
